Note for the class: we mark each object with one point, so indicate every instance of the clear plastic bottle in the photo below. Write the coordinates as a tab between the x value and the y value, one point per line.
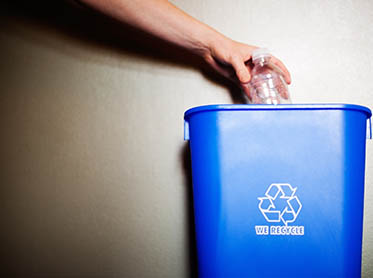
267	85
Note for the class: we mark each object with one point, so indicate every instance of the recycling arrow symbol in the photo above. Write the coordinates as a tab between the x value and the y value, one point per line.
280	203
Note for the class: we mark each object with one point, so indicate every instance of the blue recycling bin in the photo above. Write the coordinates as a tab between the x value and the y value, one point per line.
278	190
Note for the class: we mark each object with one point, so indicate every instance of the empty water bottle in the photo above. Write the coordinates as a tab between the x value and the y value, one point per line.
267	85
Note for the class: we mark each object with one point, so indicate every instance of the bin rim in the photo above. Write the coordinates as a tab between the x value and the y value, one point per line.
263	107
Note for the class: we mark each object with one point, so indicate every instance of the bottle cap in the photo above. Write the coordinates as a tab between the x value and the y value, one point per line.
260	53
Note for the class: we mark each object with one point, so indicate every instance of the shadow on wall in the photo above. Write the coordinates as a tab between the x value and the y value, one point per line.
81	26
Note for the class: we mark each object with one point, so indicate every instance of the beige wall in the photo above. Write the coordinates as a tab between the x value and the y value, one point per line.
94	178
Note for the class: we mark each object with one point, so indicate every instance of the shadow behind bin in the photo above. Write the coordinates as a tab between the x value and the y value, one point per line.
278	190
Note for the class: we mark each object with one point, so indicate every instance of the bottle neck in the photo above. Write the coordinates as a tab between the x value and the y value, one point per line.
261	60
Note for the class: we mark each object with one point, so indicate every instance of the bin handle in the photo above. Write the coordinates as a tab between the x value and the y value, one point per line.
369	133
186	130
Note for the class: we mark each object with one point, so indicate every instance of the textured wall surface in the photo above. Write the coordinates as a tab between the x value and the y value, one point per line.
94	178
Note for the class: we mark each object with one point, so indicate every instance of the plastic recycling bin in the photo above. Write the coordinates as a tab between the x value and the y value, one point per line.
278	190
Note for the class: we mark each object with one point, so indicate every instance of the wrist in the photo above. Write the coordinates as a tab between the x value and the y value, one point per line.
209	40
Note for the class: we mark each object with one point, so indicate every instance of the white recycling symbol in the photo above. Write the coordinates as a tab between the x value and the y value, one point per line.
280	203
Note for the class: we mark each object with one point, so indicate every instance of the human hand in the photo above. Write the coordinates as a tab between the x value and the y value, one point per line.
232	60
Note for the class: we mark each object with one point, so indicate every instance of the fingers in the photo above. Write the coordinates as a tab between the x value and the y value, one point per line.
285	71
224	71
246	89
242	72
281	87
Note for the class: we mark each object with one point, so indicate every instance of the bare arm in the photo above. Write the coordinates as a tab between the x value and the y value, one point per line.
166	21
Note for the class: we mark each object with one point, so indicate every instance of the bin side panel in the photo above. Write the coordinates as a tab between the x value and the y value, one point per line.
354	170
205	152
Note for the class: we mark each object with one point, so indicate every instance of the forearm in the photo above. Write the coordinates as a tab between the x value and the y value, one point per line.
162	19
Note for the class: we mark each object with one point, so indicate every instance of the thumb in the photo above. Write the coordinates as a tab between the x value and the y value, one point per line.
242	72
